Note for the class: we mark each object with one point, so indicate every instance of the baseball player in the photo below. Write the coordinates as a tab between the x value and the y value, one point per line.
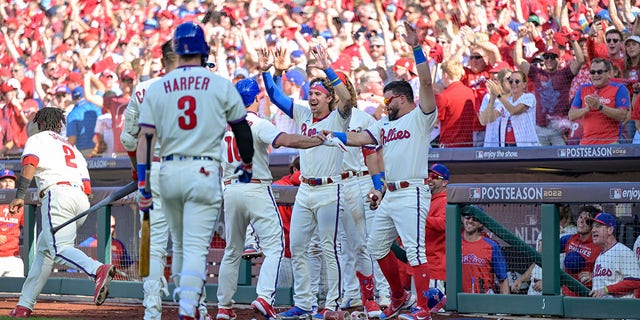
319	201
63	185
404	136
11	264
155	284
616	272
357	183
261	210
186	112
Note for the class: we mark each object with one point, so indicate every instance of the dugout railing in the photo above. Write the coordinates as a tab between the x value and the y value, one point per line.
470	198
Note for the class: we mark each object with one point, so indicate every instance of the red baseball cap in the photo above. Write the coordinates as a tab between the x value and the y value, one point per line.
553	50
127	74
405	63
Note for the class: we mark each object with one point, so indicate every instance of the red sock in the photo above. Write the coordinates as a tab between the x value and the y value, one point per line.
366	286
389	268
421	280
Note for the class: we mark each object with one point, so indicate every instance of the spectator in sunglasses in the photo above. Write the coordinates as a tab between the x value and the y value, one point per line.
579	249
610	47
602	105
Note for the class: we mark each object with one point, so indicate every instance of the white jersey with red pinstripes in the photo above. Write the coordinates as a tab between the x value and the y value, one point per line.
614	265
353	159
636	249
405	143
190	108
321	161
264	134
524	124
58	160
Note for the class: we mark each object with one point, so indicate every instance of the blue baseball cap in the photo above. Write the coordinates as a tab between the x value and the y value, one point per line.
605	219
8	174
77	93
440	170
297	54
296	77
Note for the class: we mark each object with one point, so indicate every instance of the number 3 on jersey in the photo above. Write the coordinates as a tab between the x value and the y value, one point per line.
189	120
232	149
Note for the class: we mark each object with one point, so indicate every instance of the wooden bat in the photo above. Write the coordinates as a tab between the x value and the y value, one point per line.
118	194
145	233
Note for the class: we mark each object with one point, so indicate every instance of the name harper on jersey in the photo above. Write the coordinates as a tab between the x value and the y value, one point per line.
394	134
186	83
600	271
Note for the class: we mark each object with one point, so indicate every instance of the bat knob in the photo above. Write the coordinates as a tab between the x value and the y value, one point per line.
373	197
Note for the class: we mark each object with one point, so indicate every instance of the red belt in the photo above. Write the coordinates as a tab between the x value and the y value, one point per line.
316	181
228	182
61	183
156	159
393	186
352	173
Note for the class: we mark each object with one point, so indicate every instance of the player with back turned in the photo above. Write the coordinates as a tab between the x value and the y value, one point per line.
187	112
404	137
63	184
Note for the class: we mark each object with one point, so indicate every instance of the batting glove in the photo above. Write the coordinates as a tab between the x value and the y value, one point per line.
244	172
145	201
335	142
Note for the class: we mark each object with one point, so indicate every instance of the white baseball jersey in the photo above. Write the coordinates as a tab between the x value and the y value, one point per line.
186	98
613	265
264	134
321	161
58	160
406	144
132	114
636	248
353	159
524	124
492	131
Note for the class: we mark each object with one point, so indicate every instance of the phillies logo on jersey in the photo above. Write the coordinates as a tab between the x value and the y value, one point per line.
473	259
394	134
584	251
140	95
310	132
600	271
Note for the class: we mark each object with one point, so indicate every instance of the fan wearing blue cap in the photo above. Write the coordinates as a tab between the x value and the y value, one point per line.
436	221
261	209
616	272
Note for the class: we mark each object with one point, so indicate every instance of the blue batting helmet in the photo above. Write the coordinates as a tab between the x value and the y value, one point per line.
248	89
435	297
574	262
189	39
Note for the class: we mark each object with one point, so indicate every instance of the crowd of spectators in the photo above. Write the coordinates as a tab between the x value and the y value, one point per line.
529	65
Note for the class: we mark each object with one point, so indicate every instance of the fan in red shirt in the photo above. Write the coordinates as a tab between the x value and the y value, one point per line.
11	264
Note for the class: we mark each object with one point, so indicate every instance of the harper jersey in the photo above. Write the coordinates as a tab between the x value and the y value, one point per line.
264	134
55	160
614	265
186	98
407	135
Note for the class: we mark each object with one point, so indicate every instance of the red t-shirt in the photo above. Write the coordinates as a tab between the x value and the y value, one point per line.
480	261
435	237
552	93
597	127
117	106
18	129
587	249
478	83
456	114
10	227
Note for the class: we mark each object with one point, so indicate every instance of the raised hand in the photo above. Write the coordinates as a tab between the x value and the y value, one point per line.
263	60
494	87
321	56
411	36
282	59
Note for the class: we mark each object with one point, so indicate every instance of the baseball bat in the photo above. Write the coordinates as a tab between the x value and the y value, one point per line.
118	194
145	233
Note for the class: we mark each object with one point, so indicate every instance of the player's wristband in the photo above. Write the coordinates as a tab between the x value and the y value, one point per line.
342	136
333	77
142	171
23	185
377	182
418	55
382	176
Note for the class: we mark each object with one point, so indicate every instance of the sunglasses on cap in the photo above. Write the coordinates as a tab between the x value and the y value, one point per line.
435	176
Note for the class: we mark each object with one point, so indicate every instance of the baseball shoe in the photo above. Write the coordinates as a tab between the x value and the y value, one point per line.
416	314
398	305
104	275
351	303
226	314
372	309
320	313
263	307
251	251
294	312
20	312
384	301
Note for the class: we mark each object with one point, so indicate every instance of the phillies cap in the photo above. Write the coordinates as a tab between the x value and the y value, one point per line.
295	76
440	170
127	74
574	262
7	174
77	93
553	50
605	219
405	63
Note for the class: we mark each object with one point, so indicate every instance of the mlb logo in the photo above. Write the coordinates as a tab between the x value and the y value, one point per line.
615	193
479	155
562	152
474	193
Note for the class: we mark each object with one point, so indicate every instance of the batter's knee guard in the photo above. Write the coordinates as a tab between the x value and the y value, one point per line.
152	302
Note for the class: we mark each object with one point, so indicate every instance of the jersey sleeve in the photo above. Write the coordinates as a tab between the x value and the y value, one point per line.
374	131
146	114
266	132
132	113
622	97
498	262
528	99
577	100
563	242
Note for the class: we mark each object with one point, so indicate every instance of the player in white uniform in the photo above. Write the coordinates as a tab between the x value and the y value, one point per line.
63	185
356	261
187	112
404	136
319	201
616	272
261	211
